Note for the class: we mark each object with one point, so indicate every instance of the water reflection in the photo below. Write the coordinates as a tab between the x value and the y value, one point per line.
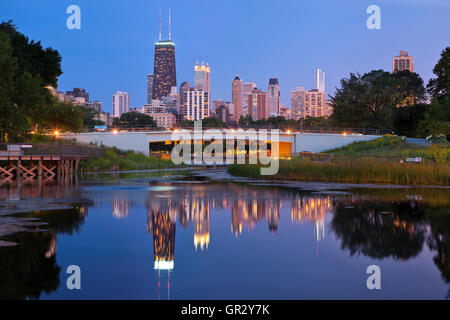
398	228
30	268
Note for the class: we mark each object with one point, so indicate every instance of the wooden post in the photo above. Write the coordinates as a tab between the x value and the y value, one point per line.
39	168
40	172
58	169
77	161
18	164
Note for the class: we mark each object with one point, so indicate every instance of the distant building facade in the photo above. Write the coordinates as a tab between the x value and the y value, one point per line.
79	95
247	88
402	62
328	109
222	113
307	103
196	105
96	105
216	104
164	120
184	87
319	80
202	80
236	97
257	105
273	97
121	103
149	88
164	70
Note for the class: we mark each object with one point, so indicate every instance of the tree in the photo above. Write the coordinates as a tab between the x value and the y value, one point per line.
63	116
436	119
26	70
206	123
439	87
408	118
134	119
408	88
89	116
370	100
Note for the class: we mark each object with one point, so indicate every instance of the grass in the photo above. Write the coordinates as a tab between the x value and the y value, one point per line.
390	146
116	160
376	161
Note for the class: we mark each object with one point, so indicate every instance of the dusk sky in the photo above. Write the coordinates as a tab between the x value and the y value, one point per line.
257	39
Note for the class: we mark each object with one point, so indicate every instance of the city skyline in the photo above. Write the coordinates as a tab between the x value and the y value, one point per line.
364	50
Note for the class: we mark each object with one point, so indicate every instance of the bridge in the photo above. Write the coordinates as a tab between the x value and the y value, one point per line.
289	142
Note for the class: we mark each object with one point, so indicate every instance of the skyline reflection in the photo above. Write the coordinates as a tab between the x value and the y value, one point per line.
398	228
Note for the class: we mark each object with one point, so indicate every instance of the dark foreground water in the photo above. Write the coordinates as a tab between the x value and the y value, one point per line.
189	237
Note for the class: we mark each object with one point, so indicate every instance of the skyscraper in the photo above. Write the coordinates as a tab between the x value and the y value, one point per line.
247	89
257	105
164	71
121	103
149	88
402	62
196	104
307	103
273	97
236	97
185	86
202	79
319	80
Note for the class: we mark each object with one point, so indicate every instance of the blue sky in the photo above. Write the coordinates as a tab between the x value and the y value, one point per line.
256	39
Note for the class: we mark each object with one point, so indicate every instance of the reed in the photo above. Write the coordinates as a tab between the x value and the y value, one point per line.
353	171
380	161
117	160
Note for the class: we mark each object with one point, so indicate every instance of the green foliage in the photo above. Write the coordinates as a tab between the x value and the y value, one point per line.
387	142
407	120
63	116
32	58
89	116
370	100
439	87
390	146
283	124
185	124
116	160
26	71
436	119
356	170
134	119
206	123
374	161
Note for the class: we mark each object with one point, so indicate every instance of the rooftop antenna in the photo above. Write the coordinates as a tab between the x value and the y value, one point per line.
169	24
159	24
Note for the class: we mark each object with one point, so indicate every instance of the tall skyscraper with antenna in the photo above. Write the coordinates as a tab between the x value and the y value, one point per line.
164	70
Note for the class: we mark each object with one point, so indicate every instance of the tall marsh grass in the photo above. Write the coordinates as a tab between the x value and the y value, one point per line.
117	160
353	170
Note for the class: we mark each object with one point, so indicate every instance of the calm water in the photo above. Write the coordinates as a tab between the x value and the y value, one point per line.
188	237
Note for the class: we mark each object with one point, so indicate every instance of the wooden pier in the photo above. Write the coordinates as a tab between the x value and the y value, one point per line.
42	161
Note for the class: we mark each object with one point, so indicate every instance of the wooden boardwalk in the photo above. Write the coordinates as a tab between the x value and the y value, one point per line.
42	161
